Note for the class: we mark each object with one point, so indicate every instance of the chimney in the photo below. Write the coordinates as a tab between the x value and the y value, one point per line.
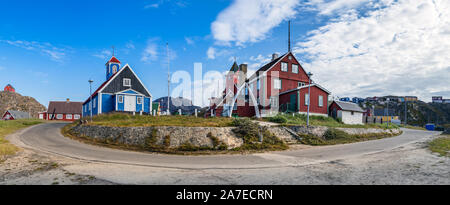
244	68
274	56
68	100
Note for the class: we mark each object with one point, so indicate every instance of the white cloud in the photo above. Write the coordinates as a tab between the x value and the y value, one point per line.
150	52
149	6
402	48
250	20
189	41
211	53
104	54
44	48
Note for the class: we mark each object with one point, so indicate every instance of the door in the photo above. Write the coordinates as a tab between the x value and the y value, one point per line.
130	103
293	103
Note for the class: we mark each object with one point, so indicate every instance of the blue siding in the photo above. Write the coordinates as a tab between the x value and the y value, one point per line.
108	103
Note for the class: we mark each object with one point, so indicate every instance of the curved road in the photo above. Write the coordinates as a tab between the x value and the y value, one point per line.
47	138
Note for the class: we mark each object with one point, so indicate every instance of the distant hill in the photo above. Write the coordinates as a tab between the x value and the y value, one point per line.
177	103
419	113
15	101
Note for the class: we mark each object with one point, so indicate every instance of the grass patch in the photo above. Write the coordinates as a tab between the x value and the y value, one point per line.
300	119
441	145
251	131
334	136
9	127
413	127
126	120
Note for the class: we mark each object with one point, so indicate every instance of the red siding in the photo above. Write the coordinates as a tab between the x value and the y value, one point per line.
315	93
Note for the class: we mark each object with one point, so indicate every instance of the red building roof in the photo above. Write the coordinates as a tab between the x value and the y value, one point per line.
113	60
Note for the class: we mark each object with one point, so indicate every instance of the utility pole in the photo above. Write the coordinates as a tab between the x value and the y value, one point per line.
168	80
406	112
309	98
90	94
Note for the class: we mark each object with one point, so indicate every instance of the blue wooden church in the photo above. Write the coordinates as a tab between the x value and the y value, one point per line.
122	91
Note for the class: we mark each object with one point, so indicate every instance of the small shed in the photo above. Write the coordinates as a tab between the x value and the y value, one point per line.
15	115
347	112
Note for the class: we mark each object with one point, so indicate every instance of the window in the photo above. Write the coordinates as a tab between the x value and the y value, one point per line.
277	84
139	100
127	82
300	84
320	101
284	67
306	99
76	117
294	68
69	116
95	103
59	116
120	99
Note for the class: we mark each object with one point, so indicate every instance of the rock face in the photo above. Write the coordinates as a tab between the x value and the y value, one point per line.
319	131
15	101
197	136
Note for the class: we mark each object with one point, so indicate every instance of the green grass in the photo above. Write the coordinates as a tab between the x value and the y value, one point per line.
9	127
125	120
414	127
441	145
335	136
300	119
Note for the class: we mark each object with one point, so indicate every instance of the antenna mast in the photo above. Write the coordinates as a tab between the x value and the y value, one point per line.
168	80
289	37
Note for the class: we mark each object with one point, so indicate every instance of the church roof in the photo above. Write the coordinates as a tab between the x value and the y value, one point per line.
113	60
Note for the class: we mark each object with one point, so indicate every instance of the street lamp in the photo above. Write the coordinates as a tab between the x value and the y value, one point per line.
90	94
309	98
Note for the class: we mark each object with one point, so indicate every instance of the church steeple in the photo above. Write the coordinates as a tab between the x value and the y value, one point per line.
112	67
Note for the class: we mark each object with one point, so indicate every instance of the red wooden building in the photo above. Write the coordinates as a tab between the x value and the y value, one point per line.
63	111
281	85
9	88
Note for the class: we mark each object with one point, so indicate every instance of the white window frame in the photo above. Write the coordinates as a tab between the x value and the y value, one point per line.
69	116
95	103
284	69
127	82
277	84
141	99
295	70
76	117
120	99
306	98
301	84
59	116
320	101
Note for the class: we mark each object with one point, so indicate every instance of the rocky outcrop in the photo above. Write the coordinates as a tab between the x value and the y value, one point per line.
15	101
197	136
319	131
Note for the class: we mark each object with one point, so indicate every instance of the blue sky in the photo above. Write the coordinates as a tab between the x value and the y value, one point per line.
49	49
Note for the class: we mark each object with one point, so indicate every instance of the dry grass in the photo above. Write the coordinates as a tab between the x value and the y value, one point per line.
125	120
441	145
9	127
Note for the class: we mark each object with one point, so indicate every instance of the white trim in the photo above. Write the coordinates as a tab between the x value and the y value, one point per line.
306	86
99	111
118	73
125	81
265	72
123	92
